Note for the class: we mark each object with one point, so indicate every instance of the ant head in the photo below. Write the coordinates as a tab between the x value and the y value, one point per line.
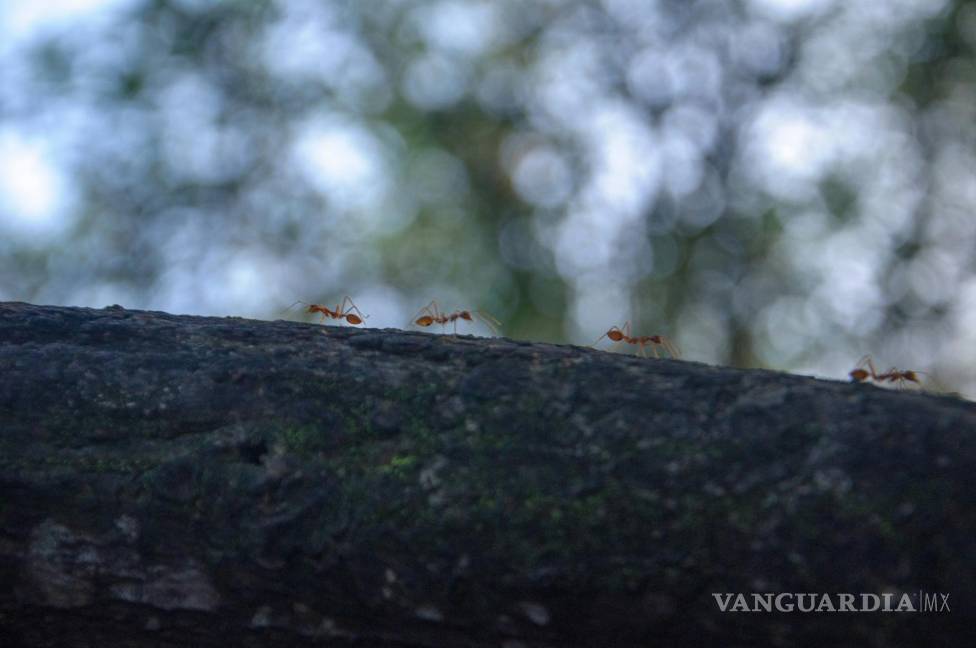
312	308
465	315
426	320
615	334
910	375
859	375
354	319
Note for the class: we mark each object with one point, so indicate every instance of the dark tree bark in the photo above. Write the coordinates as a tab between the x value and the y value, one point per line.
193	481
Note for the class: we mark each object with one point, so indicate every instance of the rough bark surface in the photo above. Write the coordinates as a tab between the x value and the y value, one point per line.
196	481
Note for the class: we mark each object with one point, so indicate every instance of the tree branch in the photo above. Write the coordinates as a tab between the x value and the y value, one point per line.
171	480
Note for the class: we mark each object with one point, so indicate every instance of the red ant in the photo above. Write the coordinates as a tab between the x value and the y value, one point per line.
622	334
430	314
893	375
339	312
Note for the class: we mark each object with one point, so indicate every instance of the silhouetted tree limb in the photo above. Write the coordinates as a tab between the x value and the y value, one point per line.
172	481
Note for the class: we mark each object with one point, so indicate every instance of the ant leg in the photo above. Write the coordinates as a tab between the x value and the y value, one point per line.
671	348
663	343
293	305
426	309
866	361
616	336
612	329
490	322
653	347
352	307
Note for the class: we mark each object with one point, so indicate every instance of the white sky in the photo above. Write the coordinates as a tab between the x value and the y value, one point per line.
788	142
33	189
22	20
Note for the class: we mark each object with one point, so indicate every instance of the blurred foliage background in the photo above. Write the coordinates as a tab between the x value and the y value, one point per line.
779	183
